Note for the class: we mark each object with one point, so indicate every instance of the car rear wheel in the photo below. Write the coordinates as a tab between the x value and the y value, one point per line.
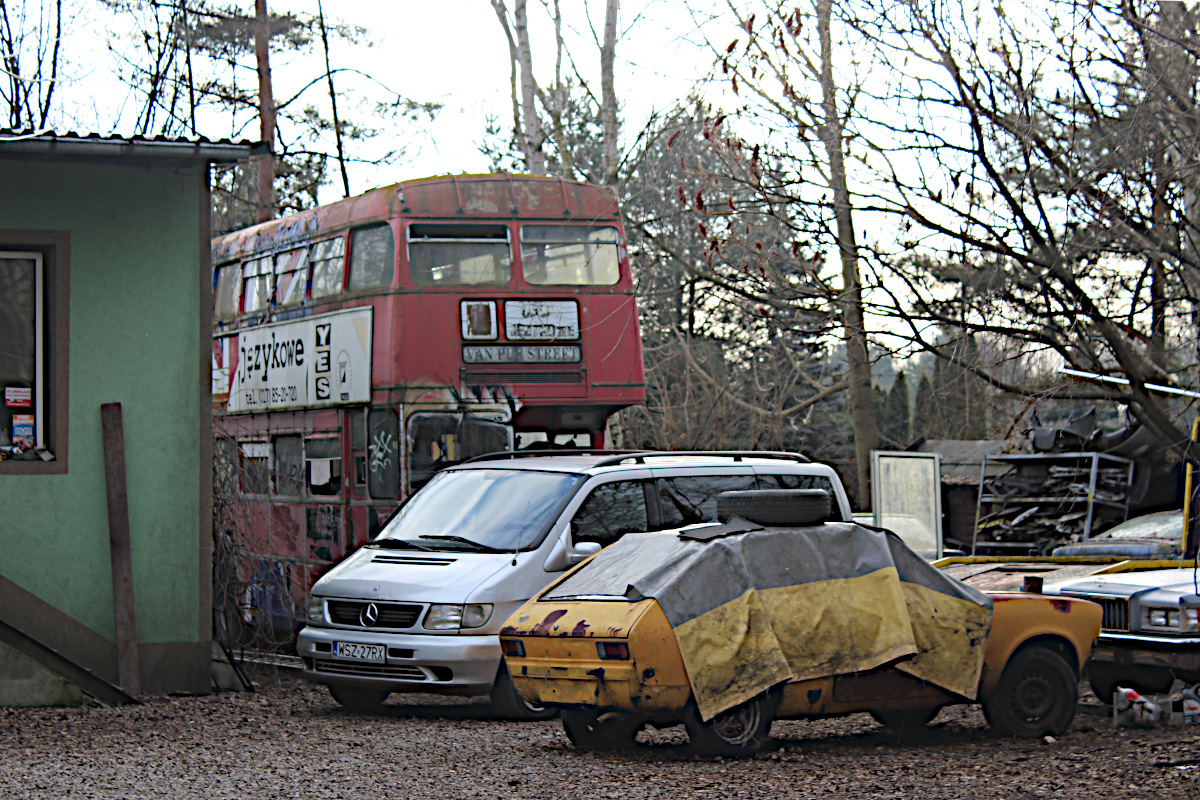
508	704
362	701
906	720
1037	695
776	506
1105	678
740	731
594	729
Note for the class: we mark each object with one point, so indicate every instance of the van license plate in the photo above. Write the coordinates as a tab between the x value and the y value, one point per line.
359	652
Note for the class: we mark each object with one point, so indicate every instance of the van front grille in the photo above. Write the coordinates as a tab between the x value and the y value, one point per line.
389	615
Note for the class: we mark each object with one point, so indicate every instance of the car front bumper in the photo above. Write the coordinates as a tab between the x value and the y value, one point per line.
1180	654
448	664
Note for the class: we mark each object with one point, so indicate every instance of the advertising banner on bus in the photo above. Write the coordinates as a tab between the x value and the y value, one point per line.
318	361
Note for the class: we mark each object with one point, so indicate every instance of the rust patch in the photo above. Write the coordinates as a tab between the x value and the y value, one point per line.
647	674
508	630
597	673
580	629
543	627
1062	606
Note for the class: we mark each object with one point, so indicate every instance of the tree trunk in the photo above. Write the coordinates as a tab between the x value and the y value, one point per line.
608	95
266	112
858	366
531	140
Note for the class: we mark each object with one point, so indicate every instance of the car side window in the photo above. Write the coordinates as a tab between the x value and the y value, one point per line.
609	512
802	482
692	499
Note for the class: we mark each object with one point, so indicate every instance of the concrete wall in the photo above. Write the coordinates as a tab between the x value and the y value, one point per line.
138	336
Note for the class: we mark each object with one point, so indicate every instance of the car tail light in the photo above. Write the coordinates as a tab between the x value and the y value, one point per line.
513	647
613	650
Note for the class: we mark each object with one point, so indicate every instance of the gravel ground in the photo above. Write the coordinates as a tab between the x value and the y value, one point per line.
289	739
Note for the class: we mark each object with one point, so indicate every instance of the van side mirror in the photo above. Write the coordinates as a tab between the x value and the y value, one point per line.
583	550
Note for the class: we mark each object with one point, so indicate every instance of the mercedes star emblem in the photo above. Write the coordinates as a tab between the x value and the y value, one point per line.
369	615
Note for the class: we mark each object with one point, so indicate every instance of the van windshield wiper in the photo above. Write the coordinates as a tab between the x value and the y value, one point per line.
397	544
481	548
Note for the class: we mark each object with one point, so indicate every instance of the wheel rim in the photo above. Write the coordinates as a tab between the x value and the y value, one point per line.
738	725
1034	698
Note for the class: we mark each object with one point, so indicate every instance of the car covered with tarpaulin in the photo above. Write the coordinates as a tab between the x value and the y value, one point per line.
726	627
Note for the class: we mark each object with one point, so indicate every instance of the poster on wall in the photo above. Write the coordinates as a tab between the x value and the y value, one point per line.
318	361
23	431
18	397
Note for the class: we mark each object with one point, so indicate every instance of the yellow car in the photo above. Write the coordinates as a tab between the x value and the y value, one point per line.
724	628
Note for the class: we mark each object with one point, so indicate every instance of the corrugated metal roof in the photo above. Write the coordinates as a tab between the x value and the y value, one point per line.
94	145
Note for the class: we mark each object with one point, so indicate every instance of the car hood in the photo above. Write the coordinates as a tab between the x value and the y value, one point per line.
410	576
1127	584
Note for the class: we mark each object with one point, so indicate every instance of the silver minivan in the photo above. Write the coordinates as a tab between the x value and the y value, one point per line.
419	607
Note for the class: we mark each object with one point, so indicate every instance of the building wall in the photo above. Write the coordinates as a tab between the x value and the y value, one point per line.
138	325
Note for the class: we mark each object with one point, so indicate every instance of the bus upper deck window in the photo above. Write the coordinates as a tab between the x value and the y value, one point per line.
291	275
257	277
459	255
570	255
225	298
327	261
372	256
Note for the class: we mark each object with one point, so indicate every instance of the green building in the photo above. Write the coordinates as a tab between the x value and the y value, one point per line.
105	516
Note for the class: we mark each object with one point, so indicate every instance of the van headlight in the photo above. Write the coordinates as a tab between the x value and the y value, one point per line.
315	612
449	617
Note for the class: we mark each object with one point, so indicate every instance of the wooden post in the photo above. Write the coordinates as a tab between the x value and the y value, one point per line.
129	674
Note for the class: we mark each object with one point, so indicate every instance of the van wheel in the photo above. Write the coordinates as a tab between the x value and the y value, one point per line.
776	506
593	729
741	731
906	720
508	704
1105	678
1037	694
362	701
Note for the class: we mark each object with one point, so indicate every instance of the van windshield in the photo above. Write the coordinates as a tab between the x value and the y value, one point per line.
483	510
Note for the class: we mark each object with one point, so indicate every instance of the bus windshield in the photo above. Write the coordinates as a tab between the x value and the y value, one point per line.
482	509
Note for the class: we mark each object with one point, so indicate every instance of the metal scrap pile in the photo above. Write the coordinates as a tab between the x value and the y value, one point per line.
1047	506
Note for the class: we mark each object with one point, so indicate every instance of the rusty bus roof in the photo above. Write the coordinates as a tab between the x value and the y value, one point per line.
498	196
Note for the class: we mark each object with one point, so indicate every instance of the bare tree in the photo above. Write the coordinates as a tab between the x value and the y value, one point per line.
1059	191
785	148
201	58
30	56
552	126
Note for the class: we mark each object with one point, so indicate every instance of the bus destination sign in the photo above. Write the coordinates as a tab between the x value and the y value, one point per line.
521	354
541	319
318	361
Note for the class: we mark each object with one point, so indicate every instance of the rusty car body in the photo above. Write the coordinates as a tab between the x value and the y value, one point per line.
619	658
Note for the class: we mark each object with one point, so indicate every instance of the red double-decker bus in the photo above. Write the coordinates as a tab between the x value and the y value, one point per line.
361	346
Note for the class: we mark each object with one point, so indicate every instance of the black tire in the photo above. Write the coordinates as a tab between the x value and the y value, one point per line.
506	703
739	732
1105	678
594	729
906	720
785	507
1037	695
358	700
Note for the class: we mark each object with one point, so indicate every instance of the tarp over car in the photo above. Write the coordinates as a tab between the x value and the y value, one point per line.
752	607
